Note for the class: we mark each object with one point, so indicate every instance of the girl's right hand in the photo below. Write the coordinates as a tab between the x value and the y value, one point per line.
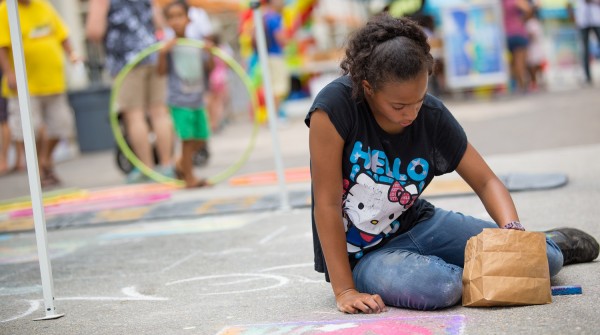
352	302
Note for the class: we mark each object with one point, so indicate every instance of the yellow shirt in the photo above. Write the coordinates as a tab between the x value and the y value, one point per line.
43	32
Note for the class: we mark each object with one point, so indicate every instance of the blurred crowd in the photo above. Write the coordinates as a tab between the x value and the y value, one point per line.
184	92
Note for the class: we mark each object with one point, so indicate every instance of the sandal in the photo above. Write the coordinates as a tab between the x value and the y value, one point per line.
48	178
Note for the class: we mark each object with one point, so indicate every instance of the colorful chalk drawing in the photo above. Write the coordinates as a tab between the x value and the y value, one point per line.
130	293
422	325
270	279
245	278
15	252
176	227
261	280
28	253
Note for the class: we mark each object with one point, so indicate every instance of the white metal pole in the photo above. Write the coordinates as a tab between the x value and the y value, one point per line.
261	45
32	162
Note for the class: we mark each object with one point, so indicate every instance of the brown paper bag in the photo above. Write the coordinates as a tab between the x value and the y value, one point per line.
506	267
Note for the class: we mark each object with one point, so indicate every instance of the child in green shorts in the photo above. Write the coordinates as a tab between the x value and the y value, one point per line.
186	68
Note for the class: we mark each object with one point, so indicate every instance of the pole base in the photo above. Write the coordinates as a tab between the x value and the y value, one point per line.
50	317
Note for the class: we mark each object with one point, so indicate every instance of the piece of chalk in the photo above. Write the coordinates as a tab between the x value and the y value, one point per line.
566	290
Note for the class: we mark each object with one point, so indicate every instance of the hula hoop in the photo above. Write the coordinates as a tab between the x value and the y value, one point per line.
131	156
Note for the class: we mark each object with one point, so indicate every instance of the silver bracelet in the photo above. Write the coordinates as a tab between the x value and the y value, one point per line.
514	225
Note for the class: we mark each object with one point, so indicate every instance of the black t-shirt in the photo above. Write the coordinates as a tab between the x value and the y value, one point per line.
384	174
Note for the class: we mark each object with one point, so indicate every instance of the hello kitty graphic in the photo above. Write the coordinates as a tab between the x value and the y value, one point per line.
371	211
405	196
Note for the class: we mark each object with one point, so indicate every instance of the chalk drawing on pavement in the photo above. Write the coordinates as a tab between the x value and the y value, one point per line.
290	266
300	278
271	236
273	281
8	291
130	293
176	227
423	325
201	252
33	306
16	254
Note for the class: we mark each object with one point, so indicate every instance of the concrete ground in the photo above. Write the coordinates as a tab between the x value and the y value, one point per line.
251	273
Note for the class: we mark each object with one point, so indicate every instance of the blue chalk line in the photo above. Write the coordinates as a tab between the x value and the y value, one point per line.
566	290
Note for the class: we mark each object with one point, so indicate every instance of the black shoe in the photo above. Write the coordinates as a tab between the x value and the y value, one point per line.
576	245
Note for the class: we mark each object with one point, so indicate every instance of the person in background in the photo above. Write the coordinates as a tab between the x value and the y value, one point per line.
218	92
187	68
587	18
515	12
199	28
45	37
276	40
4	134
536	55
125	28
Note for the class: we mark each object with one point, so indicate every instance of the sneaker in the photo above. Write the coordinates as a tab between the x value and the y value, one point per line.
166	171
136	176
576	245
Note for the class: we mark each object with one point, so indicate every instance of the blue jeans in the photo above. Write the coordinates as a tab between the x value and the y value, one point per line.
422	268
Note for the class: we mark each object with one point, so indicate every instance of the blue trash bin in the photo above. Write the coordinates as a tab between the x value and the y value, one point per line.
91	107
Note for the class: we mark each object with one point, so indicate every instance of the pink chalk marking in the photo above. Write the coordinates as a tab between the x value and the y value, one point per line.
448	325
301	174
386	327
134	189
126	192
104	198
95	204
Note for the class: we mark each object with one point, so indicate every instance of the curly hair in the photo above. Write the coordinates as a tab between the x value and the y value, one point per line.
386	49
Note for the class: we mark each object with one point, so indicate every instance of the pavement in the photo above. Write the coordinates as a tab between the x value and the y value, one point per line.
249	271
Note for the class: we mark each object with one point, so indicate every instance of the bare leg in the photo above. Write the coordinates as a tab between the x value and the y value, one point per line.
48	177
532	69
186	162
137	133
163	129
535	72
211	108
20	160
520	67
585	39
45	154
20	156
5	142
215	104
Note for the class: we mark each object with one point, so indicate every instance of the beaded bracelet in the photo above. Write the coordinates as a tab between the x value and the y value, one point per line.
514	225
